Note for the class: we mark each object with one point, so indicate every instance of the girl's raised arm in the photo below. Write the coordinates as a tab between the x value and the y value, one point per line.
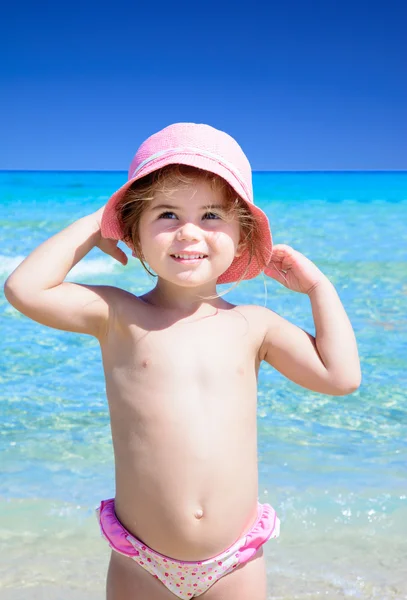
328	363
37	288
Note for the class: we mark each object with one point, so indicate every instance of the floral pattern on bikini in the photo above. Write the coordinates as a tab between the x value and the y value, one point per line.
184	579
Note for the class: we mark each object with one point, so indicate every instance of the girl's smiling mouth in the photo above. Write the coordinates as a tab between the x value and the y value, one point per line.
188	257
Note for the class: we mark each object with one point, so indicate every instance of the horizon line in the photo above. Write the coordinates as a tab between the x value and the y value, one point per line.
262	171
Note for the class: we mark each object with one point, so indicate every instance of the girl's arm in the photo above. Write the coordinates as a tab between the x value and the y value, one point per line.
37	289
328	363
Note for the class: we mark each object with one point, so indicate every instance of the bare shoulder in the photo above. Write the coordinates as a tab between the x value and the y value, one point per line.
126	306
133	313
260	321
265	324
128	316
259	316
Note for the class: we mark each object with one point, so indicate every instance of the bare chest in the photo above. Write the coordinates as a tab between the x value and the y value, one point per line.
204	350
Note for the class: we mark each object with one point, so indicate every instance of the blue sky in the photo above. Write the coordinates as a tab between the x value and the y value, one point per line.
301	85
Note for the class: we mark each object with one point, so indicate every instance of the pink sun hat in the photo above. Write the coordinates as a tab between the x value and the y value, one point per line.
206	148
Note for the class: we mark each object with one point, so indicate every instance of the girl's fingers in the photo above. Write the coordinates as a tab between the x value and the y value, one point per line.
277	264
275	273
119	255
111	248
282	264
282	250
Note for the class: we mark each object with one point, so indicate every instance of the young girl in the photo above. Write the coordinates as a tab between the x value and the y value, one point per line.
181	363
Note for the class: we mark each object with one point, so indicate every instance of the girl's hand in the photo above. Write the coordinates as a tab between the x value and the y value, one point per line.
107	245
293	270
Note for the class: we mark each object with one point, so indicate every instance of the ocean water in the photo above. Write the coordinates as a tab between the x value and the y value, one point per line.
335	468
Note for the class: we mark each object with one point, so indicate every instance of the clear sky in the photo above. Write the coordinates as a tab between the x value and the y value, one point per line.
314	85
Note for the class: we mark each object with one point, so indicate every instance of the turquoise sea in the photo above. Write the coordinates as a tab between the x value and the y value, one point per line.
335	468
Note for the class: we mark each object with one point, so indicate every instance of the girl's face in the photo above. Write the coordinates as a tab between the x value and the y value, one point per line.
189	239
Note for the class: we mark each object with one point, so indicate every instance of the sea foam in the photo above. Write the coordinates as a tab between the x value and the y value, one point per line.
83	268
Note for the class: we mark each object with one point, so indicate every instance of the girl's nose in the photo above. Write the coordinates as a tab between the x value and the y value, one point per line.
189	231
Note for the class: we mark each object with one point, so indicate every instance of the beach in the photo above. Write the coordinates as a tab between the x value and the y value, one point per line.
62	564
334	468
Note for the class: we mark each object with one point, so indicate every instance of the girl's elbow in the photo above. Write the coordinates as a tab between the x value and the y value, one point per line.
8	291
348	385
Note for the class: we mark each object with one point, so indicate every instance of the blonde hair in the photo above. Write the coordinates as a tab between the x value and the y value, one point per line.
168	180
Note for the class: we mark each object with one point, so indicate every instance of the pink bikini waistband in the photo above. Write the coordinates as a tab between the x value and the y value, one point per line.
266	526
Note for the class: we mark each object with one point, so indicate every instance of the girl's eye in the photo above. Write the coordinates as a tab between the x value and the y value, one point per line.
170	215
167	215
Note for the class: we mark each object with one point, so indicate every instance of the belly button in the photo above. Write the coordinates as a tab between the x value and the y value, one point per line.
199	513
